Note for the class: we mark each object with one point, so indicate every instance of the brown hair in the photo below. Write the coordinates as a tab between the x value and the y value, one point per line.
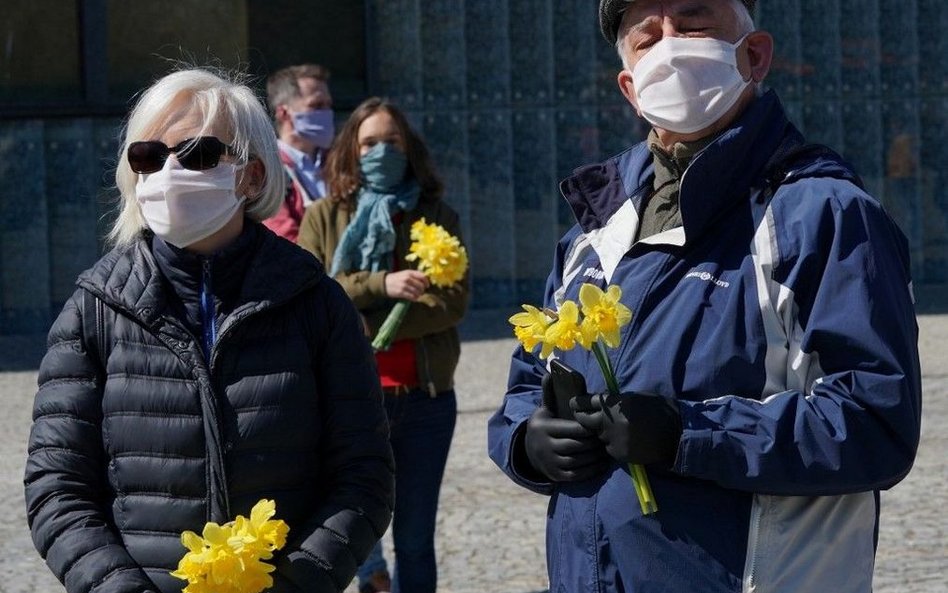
282	85
342	164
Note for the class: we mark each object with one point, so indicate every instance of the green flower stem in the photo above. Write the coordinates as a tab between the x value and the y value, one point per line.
643	490
390	326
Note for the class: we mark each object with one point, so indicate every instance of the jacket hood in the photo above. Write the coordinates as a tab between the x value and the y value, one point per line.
128	277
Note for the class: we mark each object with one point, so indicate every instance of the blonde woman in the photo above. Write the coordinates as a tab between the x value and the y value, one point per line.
202	365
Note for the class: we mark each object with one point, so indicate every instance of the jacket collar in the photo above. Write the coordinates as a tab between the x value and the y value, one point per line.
606	198
128	278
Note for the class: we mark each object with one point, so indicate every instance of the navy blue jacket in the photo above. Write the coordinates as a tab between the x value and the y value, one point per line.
780	316
284	404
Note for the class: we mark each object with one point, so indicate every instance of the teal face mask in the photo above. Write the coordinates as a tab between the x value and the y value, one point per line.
383	167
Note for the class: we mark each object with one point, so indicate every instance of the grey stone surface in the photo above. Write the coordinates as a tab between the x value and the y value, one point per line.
490	532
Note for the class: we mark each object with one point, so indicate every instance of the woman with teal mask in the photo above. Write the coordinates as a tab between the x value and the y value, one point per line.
380	181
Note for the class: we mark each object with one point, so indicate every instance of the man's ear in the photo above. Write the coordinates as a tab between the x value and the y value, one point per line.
627	87
756	60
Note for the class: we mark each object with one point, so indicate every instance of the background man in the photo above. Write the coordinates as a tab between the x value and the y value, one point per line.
302	113
769	376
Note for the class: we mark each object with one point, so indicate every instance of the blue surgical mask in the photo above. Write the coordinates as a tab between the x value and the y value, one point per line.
383	167
315	126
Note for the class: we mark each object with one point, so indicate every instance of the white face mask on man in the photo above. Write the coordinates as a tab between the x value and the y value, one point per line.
685	85
183	206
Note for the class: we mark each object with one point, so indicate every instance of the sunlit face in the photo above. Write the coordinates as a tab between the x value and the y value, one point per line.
189	125
646	22
379	127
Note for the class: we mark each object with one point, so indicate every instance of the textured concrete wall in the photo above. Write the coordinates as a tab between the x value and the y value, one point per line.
511	96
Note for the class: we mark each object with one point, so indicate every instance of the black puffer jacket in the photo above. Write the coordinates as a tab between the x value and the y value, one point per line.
289	408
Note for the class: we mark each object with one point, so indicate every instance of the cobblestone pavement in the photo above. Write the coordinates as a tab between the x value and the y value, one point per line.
490	533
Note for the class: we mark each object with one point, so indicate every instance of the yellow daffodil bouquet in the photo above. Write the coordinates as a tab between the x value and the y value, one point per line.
230	558
440	256
594	325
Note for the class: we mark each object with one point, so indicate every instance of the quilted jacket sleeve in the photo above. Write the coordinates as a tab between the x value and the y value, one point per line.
326	551
66	493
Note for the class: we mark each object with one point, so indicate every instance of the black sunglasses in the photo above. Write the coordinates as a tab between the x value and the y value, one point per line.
196	154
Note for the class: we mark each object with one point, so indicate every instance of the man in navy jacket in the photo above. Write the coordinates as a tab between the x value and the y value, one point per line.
769	377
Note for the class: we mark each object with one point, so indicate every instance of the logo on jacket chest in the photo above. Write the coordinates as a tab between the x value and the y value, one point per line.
706	277
594	273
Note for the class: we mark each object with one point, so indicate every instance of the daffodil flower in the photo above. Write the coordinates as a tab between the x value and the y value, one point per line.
439	256
230	558
603	316
530	326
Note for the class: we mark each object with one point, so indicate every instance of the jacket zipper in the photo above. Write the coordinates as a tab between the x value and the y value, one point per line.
753	543
208	313
209	334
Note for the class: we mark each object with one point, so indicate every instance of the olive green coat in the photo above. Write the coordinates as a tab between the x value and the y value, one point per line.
432	321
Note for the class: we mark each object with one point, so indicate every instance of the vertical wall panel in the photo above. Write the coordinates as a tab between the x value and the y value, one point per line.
71	189
487	38
531	52
860	88
446	136
24	223
536	197
898	37
859	48
396	63
493	248
782	20
492	207
932	19
106	142
575	35
444	54
820	71
933	179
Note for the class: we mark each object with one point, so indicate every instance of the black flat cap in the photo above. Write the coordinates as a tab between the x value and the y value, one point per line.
610	15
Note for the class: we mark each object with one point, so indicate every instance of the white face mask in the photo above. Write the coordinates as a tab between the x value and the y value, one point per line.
183	206
685	85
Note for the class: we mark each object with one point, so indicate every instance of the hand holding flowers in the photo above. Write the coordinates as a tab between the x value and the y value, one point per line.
603	315
441	259
230	558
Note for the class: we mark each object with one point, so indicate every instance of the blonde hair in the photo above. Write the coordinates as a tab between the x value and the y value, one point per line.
221	99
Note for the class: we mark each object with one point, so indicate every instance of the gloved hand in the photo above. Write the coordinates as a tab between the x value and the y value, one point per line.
638	428
562	450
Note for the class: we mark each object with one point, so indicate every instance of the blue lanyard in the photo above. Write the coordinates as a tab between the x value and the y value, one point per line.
208	316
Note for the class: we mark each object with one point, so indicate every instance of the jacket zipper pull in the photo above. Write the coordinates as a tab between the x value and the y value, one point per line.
432	392
208	312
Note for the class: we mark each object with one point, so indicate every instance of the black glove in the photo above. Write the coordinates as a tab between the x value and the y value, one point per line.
635	427
562	450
